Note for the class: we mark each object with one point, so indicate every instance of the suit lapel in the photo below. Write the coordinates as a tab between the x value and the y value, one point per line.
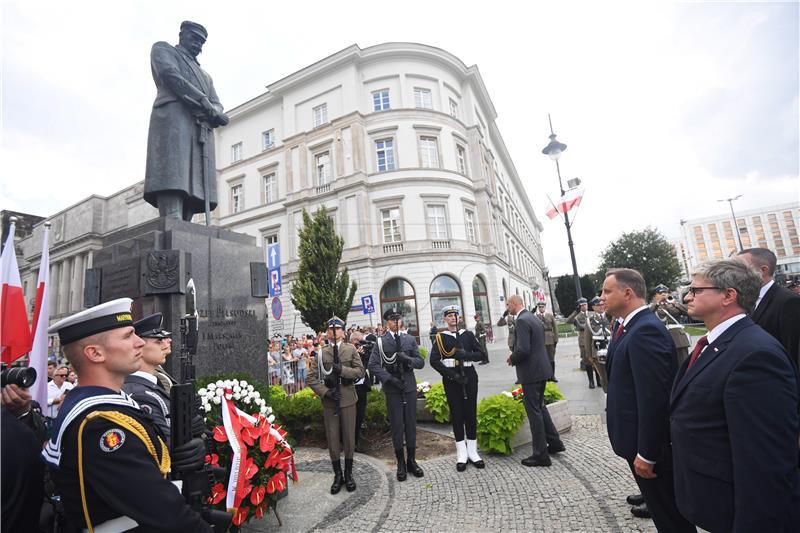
614	345
764	303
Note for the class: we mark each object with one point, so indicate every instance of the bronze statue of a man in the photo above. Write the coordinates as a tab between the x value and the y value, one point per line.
180	178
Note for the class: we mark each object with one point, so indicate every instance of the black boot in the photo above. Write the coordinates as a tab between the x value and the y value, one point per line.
349	482
338	480
401	464
553	366
590	373
412	465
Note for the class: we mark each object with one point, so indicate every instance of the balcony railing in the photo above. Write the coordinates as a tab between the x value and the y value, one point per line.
440	245
393	248
323	188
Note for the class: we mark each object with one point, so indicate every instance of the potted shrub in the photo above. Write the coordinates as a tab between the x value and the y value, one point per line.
436	404
423	414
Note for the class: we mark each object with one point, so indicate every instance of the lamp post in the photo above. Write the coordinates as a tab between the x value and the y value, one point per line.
554	151
735	225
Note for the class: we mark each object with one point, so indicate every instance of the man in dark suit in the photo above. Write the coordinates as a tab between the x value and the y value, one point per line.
777	309
641	365
529	358
735	423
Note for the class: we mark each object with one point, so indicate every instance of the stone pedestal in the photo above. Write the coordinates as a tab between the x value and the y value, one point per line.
423	415
559	413
152	263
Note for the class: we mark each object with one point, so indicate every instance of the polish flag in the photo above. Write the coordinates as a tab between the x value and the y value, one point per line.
41	318
15	333
572	198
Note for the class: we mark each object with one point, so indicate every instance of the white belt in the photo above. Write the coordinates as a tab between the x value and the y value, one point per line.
674	326
449	362
115	525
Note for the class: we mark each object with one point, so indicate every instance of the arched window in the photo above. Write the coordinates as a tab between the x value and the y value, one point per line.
481	299
399	293
444	291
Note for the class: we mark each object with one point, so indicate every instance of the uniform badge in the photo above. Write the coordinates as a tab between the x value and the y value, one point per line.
112	440
147	409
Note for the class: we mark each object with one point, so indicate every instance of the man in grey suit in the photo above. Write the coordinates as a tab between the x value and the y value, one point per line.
529	358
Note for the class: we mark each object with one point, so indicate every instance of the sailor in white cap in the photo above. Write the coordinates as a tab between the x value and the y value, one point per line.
453	354
108	460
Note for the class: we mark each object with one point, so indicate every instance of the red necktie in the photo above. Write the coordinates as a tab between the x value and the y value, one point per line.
618	331
702	342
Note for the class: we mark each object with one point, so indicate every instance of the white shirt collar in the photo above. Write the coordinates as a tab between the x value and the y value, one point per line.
520	312
632	314
146	375
720	328
763	291
453	333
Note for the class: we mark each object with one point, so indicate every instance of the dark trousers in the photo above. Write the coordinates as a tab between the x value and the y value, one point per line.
542	429
402	410
361	407
463	412
659	495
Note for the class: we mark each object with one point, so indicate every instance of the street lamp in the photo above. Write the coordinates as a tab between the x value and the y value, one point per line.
735	225
554	151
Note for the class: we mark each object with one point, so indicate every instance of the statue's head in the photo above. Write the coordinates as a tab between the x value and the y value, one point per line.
192	37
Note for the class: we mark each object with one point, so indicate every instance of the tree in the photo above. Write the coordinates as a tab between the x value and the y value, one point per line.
566	295
320	290
647	251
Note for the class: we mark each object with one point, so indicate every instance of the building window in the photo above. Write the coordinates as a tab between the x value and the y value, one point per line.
390	218
268	139
453	108
428	152
399	293
384	152
320	115
270	239
380	100
444	291
237	198
437	222
469	223
422	98
236	153
270	188
461	159
322	168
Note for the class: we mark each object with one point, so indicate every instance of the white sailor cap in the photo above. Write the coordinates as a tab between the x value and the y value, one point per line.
103	317
451	309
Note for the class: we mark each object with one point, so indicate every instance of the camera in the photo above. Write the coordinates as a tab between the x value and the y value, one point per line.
20	376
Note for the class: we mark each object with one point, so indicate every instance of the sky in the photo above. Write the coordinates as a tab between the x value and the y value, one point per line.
665	107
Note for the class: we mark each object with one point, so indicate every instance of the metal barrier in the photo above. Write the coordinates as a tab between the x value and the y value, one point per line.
291	374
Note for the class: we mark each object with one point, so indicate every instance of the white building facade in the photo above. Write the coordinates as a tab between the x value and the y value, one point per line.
399	143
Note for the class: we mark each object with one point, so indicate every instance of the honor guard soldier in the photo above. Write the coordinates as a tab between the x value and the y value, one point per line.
331	375
108	460
393	360
578	319
480	334
550	334
669	310
598	335
453	354
143	385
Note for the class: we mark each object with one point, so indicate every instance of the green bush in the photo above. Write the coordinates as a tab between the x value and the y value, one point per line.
375	414
499	419
436	403
552	394
423	352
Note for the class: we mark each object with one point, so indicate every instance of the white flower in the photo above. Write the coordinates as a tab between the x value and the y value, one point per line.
262	410
248	399
269	409
237	396
243	384
506	393
211	386
250	388
201	392
220	383
228	384
228	396
271	419
219	393
217	400
256	395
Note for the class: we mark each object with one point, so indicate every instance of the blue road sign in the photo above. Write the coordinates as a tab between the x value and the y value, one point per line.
275	282
277	308
368	304
273	256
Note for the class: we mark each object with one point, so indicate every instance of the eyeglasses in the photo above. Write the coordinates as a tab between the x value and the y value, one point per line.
694	290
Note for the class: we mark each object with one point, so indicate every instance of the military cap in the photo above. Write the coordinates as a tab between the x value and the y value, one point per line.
595	301
540	304
582	301
103	317
661	288
336	322
188	25
150	327
451	309
392	314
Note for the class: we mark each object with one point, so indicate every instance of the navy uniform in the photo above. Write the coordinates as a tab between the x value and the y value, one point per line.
453	354
393	360
339	406
107	459
146	388
669	310
578	319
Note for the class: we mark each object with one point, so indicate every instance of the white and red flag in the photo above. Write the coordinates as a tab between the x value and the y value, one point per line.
15	332
572	198
41	318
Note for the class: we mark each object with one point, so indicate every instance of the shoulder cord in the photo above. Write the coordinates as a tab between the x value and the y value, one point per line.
132	425
669	315
387	359
321	366
440	344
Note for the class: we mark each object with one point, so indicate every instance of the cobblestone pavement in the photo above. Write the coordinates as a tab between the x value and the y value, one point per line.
584	490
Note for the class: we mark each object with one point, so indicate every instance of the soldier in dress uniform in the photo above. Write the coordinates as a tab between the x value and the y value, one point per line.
108	460
669	311
480	334
333	383
598	335
550	334
508	320
143	385
393	360
453	354
578	319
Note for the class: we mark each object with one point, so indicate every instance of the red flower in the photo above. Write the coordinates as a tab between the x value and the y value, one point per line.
240	516
243	491
260	511
219	434
250	435
267	442
257	496
217	493
276	483
250	469
212	459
